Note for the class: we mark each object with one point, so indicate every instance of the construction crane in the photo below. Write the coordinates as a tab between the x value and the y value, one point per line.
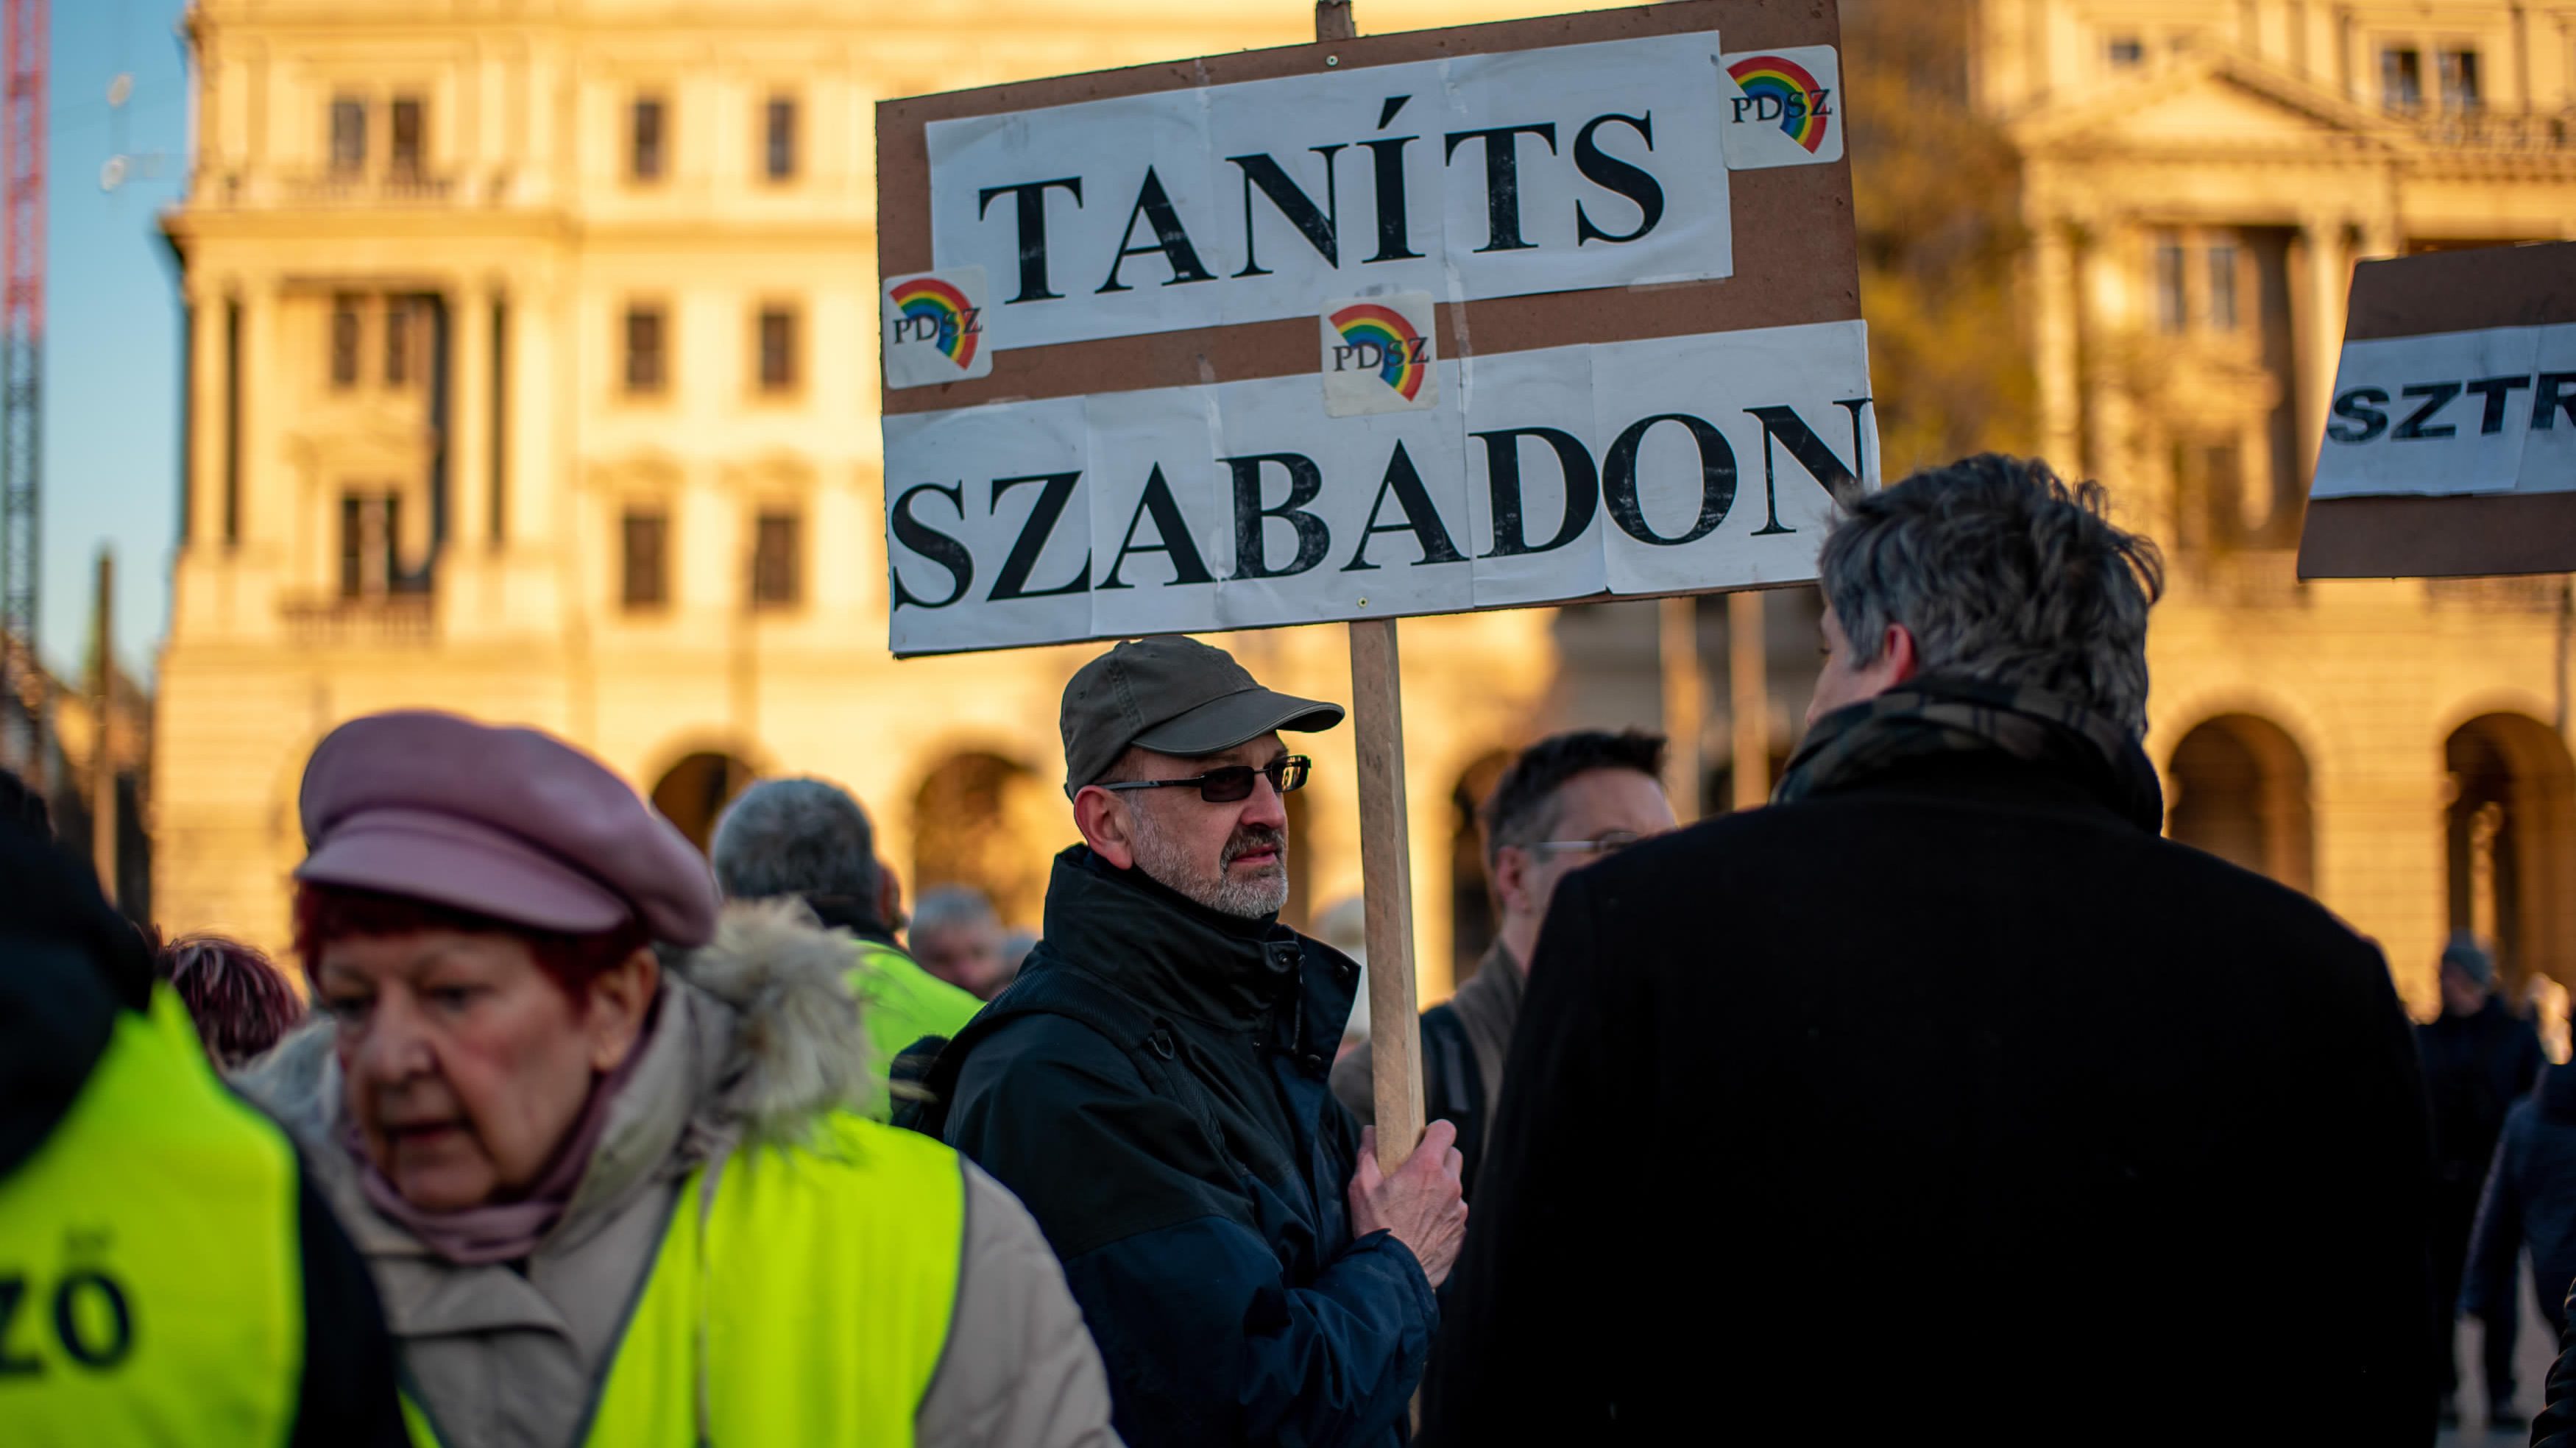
23	59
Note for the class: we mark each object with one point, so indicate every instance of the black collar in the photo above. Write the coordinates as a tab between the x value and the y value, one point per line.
1167	951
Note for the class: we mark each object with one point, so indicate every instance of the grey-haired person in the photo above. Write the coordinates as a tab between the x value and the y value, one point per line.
1944	1090
808	840
1565	802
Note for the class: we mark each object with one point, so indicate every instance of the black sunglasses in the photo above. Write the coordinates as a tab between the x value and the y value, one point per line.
1234	781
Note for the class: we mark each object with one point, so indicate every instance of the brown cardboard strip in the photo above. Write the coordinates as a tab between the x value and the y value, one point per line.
2463	291
1796	259
2455	537
1797	266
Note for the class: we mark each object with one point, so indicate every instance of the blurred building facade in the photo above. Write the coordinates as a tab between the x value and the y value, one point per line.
2198	179
532	375
92	767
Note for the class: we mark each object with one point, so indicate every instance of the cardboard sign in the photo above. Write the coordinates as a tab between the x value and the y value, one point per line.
2450	447
1570	336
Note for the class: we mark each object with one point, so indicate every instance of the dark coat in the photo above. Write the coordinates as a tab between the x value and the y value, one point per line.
1950	1097
2530	1197
1462	1044
1192	1169
2475	1068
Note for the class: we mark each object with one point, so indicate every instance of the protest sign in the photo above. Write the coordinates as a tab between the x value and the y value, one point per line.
2450	446
1421	323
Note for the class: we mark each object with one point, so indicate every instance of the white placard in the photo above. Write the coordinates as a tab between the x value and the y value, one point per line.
1469	177
934	328
1783	107
1667	465
2448	413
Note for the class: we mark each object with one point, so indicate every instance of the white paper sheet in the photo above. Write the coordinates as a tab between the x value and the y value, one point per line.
1325	479
1577	216
2446	413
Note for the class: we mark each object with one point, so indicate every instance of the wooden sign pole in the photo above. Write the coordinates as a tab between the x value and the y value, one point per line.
1386	856
1386	887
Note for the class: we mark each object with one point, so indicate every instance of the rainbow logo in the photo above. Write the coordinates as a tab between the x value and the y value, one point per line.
1787	84
1371	333
938	310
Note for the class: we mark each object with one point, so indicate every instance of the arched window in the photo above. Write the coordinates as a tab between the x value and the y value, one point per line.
984	821
2240	791
694	792
2511	832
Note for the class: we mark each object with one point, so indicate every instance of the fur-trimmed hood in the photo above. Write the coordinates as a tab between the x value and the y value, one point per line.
757	1035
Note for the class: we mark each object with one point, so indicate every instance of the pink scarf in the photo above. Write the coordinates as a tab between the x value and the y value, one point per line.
505	1231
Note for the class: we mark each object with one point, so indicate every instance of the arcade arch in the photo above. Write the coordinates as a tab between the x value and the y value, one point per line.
982	820
693	792
2510	836
2240	791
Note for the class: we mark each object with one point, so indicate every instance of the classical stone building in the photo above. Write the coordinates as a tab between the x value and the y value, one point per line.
531	375
2199	177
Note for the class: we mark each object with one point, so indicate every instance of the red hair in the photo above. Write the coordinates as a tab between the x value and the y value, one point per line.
324	913
237	996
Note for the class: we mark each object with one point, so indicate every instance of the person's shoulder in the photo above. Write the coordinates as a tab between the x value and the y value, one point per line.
905	988
2244	899
1039	1057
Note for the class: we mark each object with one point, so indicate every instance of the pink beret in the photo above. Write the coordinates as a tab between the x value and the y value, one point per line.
510	823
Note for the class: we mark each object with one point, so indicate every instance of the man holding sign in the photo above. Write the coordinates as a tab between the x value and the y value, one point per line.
1153	1085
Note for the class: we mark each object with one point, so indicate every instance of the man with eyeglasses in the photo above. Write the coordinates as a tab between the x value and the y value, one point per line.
1153	1085
1568	800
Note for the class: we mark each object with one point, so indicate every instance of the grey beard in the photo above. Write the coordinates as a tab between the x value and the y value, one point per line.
1250	898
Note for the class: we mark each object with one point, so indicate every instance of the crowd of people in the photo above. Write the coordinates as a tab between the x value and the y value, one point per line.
1944	1094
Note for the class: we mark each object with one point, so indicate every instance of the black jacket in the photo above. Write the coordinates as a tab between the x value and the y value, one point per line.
2475	1067
68	966
1153	1087
2530	1196
1952	1096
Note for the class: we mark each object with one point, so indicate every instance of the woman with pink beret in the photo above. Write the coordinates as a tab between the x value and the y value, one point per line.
597	1141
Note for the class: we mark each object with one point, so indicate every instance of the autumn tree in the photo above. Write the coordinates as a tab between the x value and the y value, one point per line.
1937	205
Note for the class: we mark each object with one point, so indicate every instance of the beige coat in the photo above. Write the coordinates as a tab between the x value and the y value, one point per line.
757	1035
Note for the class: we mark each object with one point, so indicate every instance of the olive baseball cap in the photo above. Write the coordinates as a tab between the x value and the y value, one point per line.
1173	696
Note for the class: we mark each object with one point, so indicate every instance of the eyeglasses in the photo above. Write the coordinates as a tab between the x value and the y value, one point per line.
1609	844
1233	782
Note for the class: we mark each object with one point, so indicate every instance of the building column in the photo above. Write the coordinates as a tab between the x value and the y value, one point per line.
543	368
261	527
469	420
2318	319
2055	323
2106	305
461	600
209	311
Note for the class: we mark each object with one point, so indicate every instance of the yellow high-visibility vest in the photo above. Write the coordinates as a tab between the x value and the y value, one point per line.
151	1281
802	1295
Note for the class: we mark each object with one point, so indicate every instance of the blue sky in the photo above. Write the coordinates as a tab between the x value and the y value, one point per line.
111	325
